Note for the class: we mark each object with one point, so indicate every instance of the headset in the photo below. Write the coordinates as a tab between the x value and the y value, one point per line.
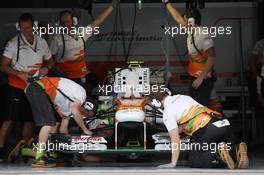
24	16
193	17
75	22
156	102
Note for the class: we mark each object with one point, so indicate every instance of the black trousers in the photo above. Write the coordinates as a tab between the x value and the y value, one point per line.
17	107
203	92
208	138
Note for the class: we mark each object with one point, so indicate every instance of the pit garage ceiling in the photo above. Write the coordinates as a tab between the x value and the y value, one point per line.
81	3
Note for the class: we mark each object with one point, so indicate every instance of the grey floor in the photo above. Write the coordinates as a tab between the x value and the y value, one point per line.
131	168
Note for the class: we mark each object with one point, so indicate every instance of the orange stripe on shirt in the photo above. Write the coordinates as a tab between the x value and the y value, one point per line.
16	82
51	86
74	68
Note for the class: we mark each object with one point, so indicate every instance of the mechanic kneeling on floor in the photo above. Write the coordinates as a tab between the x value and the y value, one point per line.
205	126
68	99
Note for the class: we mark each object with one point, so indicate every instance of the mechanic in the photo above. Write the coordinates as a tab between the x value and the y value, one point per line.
205	126
3	102
256	63
201	53
260	83
67	98
256	59
24	55
69	49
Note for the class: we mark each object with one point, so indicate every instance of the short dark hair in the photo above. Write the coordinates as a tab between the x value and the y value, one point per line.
65	12
26	17
195	13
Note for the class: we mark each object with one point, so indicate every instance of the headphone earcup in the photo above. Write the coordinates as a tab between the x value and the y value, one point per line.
17	26
75	21
191	21
156	103
35	24
168	91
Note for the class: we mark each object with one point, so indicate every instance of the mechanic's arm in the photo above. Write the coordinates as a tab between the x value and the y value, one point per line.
47	65
102	16
207	67
259	90
78	117
175	146
176	15
6	68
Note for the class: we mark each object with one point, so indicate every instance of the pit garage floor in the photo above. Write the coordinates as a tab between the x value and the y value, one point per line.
131	168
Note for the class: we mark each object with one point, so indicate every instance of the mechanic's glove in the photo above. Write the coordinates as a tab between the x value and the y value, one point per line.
166	166
165	1
115	3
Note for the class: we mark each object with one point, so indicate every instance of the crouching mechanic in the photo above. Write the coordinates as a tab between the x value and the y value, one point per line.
68	99
206	127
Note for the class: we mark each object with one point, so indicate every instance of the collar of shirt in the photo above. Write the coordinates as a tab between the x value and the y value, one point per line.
26	41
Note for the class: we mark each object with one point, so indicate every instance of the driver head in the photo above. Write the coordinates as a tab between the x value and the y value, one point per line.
156	99
87	108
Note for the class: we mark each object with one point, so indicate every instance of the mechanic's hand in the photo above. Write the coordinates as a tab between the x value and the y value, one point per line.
197	82
24	76
43	71
88	132
115	3
167	166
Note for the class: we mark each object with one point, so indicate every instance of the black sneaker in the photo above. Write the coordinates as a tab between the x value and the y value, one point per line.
2	155
44	162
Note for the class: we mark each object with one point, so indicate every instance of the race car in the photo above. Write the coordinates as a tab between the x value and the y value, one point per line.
124	122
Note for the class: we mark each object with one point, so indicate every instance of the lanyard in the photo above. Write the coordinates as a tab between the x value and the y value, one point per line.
34	49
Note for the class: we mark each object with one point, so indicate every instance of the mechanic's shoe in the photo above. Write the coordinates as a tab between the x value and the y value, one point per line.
226	157
44	162
242	157
15	153
2	155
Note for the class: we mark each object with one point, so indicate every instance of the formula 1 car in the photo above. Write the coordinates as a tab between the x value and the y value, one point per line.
124	122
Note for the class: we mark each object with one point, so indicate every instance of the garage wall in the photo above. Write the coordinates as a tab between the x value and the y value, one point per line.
150	37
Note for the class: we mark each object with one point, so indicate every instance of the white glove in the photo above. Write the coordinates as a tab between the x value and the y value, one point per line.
167	166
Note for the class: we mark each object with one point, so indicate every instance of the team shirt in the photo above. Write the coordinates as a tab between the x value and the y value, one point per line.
30	59
185	111
258	49
176	107
71	90
203	42
73	63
